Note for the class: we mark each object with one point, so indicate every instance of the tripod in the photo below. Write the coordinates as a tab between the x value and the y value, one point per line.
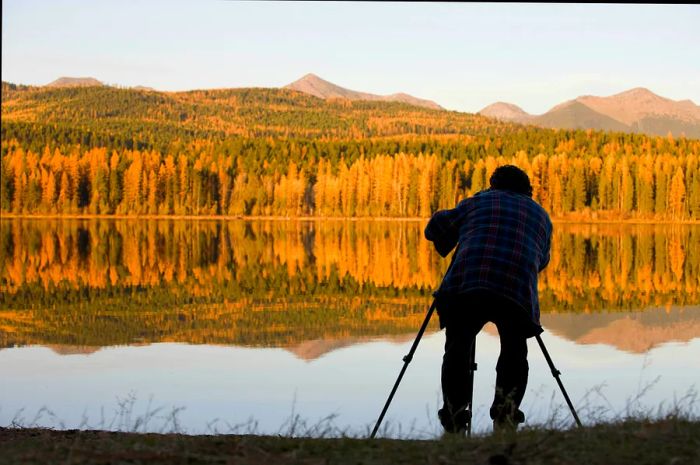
406	360
556	374
471	367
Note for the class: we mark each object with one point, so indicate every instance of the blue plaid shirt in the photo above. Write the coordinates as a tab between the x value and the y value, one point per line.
503	242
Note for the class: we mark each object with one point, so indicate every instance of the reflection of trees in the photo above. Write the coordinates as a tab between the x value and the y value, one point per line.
85	282
615	266
592	266
109	254
248	321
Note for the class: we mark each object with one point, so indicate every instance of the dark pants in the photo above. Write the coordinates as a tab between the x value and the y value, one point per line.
463	318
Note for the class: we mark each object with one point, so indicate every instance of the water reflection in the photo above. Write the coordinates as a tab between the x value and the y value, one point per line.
253	314
275	283
634	332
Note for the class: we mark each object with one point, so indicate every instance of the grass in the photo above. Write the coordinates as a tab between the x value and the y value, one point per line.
636	435
672	441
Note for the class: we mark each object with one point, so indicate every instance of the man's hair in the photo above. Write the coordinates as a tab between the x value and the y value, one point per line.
511	178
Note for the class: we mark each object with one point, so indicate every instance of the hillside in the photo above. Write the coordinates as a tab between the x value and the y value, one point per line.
636	110
313	107
245	112
314	85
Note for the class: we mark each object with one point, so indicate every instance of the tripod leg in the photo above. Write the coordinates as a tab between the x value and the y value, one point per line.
556	374
407	359
470	398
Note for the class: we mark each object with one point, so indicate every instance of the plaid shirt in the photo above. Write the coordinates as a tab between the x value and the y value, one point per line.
504	240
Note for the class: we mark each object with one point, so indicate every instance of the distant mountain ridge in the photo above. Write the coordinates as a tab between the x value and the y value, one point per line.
308	84
636	110
74	82
314	85
66	81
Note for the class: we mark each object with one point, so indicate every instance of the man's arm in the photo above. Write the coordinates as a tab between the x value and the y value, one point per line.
443	229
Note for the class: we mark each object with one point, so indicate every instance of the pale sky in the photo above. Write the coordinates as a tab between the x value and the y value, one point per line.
464	56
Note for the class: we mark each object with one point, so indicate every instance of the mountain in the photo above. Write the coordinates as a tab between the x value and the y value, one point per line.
314	85
575	115
506	112
636	110
633	105
86	82
74	82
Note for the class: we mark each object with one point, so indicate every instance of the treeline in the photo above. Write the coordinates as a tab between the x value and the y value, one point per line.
163	264
586	175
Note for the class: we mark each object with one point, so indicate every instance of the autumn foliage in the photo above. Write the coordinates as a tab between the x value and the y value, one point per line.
658	180
266	152
100	282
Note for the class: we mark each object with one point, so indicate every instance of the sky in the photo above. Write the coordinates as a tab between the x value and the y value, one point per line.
463	56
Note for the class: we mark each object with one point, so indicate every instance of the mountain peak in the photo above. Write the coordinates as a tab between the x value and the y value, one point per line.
318	87
505	111
504	106
634	110
74	82
636	92
314	85
635	104
310	76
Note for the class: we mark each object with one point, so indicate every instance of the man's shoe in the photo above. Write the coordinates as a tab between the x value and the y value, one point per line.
454	423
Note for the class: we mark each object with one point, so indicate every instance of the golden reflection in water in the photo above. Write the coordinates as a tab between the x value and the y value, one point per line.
102	282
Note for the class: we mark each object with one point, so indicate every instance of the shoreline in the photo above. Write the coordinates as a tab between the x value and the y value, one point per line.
641	441
87	216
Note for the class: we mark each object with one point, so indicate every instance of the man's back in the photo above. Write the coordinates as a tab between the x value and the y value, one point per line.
504	240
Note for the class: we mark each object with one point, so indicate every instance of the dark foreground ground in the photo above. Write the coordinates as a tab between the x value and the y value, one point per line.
671	442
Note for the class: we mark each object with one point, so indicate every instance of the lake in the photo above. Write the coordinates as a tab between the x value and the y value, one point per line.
296	327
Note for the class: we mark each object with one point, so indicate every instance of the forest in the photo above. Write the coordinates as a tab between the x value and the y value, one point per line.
273	152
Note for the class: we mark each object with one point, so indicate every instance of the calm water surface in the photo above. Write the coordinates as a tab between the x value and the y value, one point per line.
210	326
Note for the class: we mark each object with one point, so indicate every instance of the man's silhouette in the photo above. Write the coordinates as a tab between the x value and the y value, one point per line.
503	239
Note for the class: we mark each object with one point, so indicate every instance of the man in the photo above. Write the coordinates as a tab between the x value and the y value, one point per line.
503	239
